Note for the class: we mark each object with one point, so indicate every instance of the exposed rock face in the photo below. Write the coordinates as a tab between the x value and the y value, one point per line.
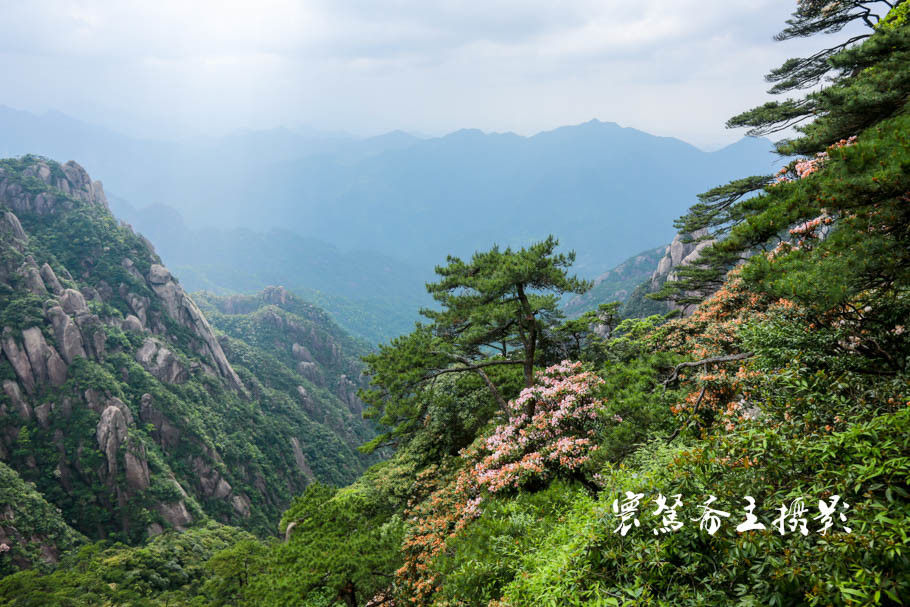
67	334
73	302
311	372
50	279
347	392
210	480
131	323
300	458
73	181
45	362
32	275
301	353
679	253
165	434
161	362
18	359
241	504
182	309
22	407
176	514
111	433
66	399
11	230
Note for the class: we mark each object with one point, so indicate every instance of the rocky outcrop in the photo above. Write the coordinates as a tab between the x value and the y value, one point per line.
210	480
678	253
311	371
67	334
301	353
70	179
131	323
11	231
30	272
18	359
73	302
165	433
112	434
47	366
20	405
682	251
300	459
347	392
176	513
50	279
161	362
181	308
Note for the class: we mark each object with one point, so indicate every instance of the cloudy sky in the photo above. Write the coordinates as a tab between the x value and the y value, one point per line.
171	68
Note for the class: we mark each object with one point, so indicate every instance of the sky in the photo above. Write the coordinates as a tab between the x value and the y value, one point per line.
182	68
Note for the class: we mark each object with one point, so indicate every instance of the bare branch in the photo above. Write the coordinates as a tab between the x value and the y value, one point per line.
706	361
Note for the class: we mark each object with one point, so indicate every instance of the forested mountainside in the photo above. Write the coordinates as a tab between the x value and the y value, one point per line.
123	413
751	449
617	284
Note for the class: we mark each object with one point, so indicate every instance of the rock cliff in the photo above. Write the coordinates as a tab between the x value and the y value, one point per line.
118	400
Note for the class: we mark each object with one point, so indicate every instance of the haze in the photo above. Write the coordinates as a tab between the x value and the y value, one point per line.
174	69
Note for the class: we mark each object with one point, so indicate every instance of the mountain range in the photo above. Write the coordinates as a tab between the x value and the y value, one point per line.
358	224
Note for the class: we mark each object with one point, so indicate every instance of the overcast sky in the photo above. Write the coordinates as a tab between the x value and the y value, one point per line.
168	68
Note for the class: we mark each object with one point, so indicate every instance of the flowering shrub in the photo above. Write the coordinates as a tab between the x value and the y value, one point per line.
550	431
807	166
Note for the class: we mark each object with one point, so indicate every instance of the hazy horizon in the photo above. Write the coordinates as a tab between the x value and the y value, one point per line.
311	131
173	71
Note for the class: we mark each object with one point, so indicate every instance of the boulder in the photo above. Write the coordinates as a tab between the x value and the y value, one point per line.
131	323
161	362
46	363
73	302
11	229
50	279
159	275
18	359
11	389
67	334
110	434
140	306
32	276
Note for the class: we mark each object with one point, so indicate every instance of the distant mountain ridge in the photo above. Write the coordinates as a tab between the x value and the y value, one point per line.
597	186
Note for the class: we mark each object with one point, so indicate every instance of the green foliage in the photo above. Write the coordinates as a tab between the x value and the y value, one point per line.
488	555
30	525
342	544
870	99
170	570
495	312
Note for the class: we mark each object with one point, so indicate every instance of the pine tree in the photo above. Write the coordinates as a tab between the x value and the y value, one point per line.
493	313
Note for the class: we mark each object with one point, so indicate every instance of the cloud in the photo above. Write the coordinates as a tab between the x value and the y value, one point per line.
183	66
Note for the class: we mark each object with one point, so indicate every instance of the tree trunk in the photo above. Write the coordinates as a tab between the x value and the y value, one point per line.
529	337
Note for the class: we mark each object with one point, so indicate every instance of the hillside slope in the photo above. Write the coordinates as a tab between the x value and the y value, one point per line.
119	402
